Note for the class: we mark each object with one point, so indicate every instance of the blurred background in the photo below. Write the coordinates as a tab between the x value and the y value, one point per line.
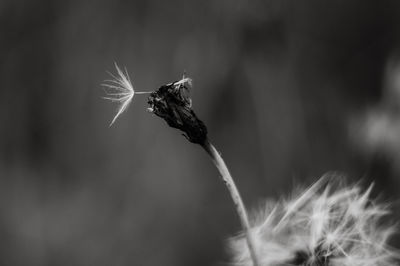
288	89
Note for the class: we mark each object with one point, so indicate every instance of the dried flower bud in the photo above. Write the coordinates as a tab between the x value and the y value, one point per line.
171	103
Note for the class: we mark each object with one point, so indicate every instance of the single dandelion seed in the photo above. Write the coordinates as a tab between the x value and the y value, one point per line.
119	89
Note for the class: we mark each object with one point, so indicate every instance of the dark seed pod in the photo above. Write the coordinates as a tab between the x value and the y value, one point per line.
171	103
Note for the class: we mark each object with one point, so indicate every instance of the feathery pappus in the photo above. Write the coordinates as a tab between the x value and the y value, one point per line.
329	224
119	89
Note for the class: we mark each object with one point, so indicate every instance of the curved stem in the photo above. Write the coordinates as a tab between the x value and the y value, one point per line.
230	184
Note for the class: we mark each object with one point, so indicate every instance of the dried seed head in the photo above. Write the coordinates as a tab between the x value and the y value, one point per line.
172	103
327	225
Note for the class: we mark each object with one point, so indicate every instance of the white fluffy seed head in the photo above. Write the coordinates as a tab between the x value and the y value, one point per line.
119	89
327	225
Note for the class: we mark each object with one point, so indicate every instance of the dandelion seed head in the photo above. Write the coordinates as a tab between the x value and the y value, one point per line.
329	224
119	89
172	103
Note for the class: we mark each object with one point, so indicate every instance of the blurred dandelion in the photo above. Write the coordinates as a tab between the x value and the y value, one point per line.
327	225
120	89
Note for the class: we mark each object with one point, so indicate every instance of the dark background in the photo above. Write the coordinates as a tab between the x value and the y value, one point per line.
288	89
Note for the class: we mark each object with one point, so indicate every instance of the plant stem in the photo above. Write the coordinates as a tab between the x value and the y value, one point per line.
240	208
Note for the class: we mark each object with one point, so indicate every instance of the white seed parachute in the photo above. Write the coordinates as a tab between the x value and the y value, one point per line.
119	89
327	225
